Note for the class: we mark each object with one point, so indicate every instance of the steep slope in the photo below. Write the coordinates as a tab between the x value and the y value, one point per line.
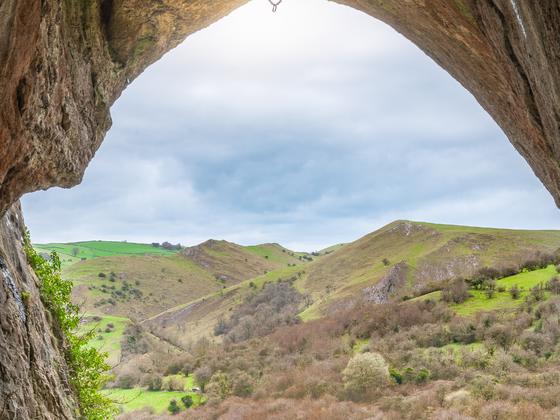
412	256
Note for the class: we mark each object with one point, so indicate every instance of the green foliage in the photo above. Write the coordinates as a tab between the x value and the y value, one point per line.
365	371
173	407
87	365
187	401
396	375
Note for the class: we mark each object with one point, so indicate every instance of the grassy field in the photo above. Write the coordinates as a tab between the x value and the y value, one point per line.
107	338
158	401
71	253
479	302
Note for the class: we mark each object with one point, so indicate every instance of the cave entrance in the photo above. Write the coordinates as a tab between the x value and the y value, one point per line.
309	126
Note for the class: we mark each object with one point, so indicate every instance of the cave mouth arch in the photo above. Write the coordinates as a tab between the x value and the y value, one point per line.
156	119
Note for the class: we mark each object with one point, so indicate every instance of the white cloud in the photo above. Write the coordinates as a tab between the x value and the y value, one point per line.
311	126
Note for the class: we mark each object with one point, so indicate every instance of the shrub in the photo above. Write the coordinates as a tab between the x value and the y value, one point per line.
187	401
242	385
102	275
515	292
364	371
126	381
457	292
173	407
553	285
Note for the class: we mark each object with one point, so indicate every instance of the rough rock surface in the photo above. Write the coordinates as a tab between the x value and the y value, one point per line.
389	286
33	374
64	63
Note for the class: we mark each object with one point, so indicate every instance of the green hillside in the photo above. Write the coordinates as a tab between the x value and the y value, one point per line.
431	253
230	263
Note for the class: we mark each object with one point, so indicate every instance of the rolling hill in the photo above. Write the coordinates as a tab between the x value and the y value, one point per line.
415	256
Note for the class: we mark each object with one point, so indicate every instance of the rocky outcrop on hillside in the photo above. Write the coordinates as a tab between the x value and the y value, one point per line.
389	286
33	373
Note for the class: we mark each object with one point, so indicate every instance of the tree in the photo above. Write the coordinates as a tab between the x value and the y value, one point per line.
187	401
75	251
202	376
155	383
219	387
365	371
173	407
386	262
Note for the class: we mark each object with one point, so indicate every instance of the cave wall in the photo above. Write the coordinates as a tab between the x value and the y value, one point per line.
63	63
33	372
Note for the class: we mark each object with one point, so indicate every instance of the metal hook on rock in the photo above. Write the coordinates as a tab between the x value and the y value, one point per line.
275	4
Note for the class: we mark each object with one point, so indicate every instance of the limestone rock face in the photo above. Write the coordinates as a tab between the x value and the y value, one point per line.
33	373
63	63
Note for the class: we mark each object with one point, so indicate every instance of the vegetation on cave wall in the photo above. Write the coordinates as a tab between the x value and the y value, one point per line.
87	366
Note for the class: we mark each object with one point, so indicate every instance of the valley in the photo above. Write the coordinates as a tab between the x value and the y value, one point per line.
219	321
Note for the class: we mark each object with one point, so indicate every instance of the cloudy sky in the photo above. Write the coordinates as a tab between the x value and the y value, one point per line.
311	126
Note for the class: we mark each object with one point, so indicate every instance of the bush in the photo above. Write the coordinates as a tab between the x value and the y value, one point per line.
515	292
457	292
187	401
126	381
173	407
365	371
553	285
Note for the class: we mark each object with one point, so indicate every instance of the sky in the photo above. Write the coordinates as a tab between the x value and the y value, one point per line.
310	126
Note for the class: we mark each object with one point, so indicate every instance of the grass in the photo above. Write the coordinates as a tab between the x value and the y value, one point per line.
164	281
158	401
479	302
427	249
109	342
71	253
